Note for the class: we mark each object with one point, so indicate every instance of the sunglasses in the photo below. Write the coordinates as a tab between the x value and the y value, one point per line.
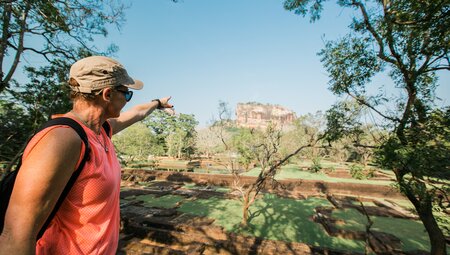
128	94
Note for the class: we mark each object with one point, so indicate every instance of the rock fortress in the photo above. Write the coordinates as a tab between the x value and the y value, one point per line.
257	115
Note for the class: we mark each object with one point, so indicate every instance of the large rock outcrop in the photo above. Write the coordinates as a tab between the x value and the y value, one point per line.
256	115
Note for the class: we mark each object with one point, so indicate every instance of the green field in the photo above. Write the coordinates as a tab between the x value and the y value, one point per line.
292	171
289	220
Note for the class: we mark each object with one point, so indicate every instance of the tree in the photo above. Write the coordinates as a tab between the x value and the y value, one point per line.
158	123
59	32
242	142
13	123
345	125
207	142
26	109
175	135
135	142
181	140
61	27
410	41
261	146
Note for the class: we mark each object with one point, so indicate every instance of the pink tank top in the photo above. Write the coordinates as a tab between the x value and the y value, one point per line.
88	220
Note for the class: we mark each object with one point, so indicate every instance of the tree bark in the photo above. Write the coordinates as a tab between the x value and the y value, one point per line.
245	207
4	42
437	239
424	210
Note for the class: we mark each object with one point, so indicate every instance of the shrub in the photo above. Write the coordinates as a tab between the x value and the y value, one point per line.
316	165
357	172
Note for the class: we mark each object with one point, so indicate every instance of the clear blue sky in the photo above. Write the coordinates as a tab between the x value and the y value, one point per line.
203	51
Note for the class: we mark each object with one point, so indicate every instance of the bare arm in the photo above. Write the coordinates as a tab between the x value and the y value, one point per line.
38	185
137	113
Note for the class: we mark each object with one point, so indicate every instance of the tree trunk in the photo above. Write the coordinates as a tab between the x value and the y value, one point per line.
437	239
245	207
423	207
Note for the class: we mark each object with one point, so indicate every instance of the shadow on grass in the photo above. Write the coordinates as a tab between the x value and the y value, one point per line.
411	233
273	218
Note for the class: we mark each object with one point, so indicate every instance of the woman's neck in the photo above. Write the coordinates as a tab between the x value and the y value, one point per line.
92	117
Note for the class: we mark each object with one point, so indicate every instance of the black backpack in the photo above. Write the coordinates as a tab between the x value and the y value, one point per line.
7	183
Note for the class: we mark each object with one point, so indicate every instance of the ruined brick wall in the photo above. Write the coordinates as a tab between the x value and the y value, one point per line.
255	115
295	187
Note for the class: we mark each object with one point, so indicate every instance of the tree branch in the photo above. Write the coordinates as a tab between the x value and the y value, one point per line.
365	146
427	63
438	68
7	8
364	102
19	50
371	29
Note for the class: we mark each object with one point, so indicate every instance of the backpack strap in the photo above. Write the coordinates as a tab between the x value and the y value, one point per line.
80	131
107	127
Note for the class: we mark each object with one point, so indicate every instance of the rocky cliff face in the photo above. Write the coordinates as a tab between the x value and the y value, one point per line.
256	115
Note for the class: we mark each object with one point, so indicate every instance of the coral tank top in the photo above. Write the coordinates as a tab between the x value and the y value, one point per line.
88	220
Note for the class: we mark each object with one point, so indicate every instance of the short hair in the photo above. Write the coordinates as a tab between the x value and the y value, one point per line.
75	95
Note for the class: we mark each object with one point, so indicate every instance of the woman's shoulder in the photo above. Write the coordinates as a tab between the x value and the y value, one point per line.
58	139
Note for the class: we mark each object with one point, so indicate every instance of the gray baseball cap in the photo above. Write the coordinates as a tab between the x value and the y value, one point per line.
98	72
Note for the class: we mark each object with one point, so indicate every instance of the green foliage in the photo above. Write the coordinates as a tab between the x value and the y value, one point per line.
343	119
442	218
427	152
356	171
351	63
60	27
15	126
181	142
410	39
135	143
242	141
26	107
61	32
316	165
174	135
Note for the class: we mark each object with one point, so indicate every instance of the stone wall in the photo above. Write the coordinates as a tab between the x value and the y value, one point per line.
255	115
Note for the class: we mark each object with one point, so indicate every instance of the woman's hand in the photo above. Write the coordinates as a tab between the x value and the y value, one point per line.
165	102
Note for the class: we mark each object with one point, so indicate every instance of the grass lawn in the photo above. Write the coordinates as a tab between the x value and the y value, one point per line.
289	220
214	188
272	218
291	171
411	233
168	201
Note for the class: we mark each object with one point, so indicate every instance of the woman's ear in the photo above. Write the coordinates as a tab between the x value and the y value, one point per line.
107	94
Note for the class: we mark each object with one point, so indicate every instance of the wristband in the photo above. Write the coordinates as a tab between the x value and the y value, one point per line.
159	103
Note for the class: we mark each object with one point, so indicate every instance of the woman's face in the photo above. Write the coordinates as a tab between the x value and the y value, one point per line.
117	100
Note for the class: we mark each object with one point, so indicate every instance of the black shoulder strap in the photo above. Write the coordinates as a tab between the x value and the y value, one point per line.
107	127
77	127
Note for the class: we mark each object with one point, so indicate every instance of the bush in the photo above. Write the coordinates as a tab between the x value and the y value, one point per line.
316	166
357	172
370	173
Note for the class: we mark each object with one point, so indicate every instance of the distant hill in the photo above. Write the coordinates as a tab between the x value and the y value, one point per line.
257	115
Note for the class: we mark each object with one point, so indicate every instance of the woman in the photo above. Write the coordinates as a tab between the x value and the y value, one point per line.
88	220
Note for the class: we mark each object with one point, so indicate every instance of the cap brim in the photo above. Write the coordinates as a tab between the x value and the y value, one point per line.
136	85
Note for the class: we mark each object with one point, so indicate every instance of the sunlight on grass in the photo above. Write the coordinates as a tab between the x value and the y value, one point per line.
406	204
411	233
291	171
272	218
289	220
213	188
